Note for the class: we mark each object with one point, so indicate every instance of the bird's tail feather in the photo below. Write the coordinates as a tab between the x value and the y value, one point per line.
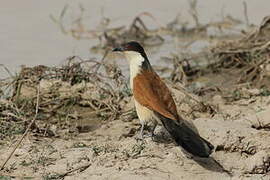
187	138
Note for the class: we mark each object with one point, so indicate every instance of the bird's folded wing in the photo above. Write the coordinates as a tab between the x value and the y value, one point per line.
150	91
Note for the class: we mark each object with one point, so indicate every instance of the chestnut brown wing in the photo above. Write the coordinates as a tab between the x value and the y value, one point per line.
150	91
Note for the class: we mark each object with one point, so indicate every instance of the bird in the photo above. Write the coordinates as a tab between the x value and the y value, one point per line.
154	102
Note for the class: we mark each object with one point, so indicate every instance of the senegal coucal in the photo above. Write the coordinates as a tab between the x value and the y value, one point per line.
154	102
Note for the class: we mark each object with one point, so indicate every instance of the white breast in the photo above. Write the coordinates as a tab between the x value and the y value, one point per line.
143	113
135	62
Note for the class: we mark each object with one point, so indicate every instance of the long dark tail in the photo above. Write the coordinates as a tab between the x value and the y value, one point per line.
187	138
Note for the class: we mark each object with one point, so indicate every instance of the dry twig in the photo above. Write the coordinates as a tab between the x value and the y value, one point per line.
26	131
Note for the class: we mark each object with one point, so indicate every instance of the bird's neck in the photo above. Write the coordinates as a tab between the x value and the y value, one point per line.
137	64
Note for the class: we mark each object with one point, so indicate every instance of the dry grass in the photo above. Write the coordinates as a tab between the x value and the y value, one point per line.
250	55
88	84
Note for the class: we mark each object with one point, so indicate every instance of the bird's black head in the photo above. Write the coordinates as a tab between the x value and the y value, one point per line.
132	50
130	46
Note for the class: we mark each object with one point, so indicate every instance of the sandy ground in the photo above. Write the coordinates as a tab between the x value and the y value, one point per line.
239	131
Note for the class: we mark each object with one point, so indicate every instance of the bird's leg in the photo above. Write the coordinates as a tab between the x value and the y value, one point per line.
139	136
141	131
153	129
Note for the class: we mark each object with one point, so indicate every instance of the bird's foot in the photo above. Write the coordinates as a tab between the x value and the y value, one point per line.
141	136
154	137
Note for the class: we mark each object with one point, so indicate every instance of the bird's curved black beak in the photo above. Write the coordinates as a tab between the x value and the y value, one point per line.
118	49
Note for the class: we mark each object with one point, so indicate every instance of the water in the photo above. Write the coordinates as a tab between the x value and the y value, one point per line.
29	37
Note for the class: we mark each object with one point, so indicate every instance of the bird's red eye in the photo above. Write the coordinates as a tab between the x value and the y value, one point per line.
128	47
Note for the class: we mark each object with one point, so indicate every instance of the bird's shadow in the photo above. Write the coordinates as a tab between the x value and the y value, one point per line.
207	163
211	164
